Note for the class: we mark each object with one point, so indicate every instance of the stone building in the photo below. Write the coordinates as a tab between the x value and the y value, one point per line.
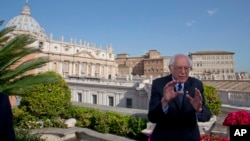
150	64
207	65
113	93
213	65
129	65
72	58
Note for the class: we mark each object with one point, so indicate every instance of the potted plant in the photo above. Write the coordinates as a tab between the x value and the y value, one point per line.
236	121
241	117
212	137
212	99
214	104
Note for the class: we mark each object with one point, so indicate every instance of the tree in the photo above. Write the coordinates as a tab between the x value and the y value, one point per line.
14	76
47	100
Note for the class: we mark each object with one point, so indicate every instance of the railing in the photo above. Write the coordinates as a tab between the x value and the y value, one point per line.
98	81
235	98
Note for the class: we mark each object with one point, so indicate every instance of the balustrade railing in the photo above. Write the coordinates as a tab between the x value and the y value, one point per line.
234	98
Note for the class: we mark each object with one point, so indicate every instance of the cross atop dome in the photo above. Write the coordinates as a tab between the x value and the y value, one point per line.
26	9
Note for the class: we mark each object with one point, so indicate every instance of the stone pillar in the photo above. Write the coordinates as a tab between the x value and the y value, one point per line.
74	68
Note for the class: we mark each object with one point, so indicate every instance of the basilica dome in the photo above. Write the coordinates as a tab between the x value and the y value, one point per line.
25	23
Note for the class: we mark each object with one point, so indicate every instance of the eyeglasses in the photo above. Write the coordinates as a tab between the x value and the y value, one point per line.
180	68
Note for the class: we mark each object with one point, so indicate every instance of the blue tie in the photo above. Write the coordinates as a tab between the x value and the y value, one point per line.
179	87
180	97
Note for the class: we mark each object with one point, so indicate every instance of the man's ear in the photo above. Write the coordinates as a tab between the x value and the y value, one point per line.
170	69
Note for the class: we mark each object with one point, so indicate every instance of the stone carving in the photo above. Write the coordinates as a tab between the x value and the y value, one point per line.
70	122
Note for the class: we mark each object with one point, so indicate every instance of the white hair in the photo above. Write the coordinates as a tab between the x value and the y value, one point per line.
172	59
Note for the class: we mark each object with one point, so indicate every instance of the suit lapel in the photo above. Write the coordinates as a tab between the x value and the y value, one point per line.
188	90
177	101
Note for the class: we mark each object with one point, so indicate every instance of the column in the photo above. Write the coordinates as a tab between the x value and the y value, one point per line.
80	69
74	68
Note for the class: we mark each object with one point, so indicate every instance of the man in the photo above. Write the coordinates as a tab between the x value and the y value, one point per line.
6	119
176	103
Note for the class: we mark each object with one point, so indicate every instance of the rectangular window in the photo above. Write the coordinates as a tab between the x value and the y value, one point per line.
65	67
94	99
79	96
129	103
41	45
111	101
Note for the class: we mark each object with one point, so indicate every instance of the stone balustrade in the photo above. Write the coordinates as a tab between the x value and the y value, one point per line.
234	98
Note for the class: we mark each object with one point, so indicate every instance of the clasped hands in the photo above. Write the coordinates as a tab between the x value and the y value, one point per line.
169	93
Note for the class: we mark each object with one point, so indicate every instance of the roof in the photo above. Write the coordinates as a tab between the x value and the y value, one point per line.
230	85
211	53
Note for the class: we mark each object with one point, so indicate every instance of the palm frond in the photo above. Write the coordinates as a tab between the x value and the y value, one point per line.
17	44
5	31
14	59
24	67
14	51
4	37
22	85
14	70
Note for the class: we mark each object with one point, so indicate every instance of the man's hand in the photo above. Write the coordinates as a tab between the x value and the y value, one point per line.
196	102
169	93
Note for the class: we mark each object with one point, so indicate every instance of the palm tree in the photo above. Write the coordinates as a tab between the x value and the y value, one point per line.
14	78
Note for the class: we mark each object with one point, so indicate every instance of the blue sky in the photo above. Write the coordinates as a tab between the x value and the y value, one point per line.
137	26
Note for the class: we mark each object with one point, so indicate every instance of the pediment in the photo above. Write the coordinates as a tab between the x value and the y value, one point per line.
85	53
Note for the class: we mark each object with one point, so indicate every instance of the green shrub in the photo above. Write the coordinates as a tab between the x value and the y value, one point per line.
136	125
24	120
47	100
118	123
25	135
43	103
56	122
212	100
107	121
99	122
83	115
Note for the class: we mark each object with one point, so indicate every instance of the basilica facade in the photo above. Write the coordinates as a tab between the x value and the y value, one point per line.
81	59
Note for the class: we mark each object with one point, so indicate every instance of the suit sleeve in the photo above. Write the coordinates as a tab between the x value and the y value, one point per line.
8	133
206	113
155	112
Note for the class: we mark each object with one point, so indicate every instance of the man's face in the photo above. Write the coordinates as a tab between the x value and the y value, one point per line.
180	69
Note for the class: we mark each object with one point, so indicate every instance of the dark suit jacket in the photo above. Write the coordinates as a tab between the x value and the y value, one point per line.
6	119
179	123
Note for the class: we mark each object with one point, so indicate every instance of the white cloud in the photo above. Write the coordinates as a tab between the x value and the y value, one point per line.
190	23
212	12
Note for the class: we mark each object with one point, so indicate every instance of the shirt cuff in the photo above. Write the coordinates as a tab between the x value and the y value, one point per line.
199	115
165	109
